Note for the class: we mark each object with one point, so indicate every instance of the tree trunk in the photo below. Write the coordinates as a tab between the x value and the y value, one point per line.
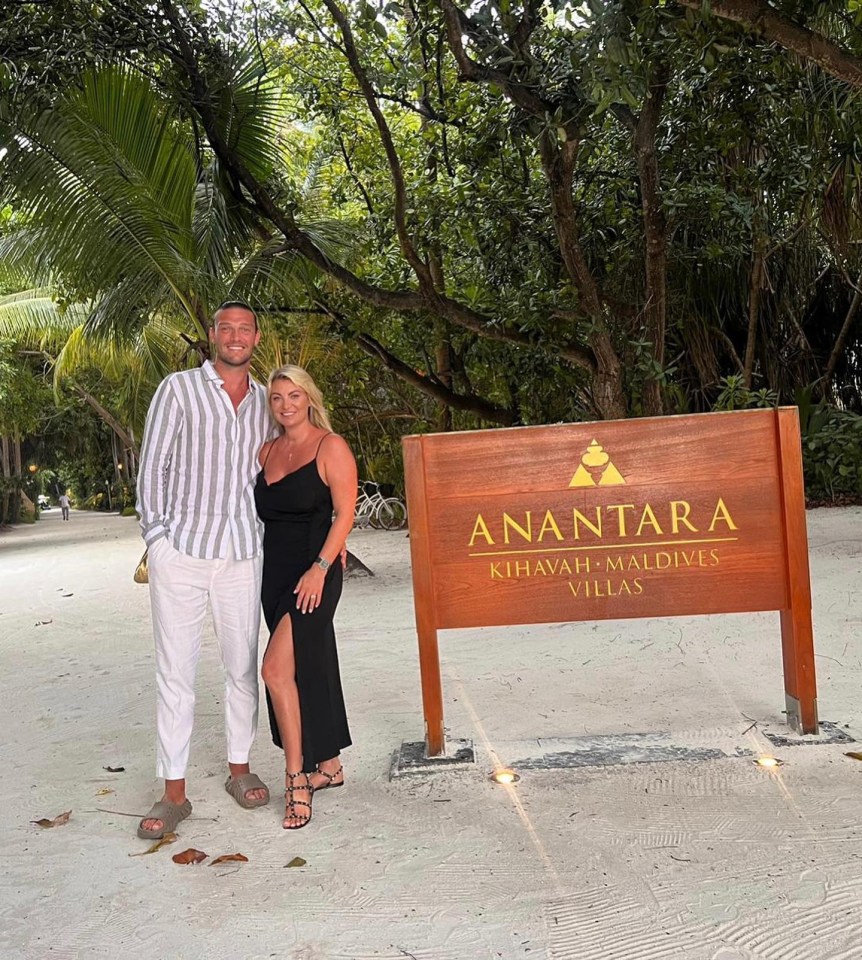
655	233
5	471
755	290
841	339
108	417
558	161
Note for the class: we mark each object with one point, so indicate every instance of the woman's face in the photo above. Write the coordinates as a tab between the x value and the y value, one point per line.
289	403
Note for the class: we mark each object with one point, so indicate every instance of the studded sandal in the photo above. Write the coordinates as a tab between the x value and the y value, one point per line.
290	806
329	785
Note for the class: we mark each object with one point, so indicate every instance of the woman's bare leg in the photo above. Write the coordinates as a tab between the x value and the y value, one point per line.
279	675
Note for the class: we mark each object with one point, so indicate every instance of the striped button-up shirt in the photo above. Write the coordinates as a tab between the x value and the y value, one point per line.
199	463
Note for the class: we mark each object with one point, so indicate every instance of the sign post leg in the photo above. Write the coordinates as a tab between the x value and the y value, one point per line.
800	691
432	692
797	636
423	595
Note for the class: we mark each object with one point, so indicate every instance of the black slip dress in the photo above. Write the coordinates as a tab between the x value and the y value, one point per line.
297	513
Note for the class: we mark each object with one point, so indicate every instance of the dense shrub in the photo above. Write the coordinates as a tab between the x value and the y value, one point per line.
832	455
831	441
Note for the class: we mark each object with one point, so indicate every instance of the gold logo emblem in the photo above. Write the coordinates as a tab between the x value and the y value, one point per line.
596	469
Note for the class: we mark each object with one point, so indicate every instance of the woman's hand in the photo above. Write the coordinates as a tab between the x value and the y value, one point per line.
309	589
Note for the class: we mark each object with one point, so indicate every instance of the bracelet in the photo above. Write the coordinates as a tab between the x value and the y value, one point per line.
323	564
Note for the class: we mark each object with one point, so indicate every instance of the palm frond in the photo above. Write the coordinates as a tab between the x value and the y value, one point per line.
105	181
31	319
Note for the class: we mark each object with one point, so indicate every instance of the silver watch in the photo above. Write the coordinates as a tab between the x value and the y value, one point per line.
323	564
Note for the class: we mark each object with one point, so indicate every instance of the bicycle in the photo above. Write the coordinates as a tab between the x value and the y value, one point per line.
375	510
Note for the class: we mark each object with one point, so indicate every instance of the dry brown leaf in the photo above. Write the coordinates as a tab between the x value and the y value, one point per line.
161	842
296	862
854	755
104	792
58	821
189	856
226	857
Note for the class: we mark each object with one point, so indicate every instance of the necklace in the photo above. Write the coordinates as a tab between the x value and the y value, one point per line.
291	446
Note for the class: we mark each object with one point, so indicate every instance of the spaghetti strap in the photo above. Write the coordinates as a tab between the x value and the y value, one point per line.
319	444
268	452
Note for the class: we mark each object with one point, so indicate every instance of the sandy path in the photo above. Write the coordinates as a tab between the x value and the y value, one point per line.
699	859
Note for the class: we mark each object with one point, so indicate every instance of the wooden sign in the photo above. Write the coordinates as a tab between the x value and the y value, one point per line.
666	516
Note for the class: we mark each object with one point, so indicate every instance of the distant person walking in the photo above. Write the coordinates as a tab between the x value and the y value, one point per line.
196	503
64	506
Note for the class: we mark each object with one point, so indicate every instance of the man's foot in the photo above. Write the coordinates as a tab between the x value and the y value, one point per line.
298	795
248	790
164	817
330	773
255	796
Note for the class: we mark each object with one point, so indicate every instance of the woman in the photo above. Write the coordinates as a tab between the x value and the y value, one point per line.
305	495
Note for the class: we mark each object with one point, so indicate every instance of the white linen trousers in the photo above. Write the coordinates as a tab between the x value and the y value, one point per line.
180	588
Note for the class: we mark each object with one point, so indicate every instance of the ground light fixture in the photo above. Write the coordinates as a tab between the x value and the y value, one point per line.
769	763
504	775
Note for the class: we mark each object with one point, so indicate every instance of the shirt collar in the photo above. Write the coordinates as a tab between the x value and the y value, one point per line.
210	373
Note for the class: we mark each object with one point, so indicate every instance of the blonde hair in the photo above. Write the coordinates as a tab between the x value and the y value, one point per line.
317	412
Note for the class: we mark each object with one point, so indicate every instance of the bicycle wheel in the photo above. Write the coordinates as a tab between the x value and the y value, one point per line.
392	514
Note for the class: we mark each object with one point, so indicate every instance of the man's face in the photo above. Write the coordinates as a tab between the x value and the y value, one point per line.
234	336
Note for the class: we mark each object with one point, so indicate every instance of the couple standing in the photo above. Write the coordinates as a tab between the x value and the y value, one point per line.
213	466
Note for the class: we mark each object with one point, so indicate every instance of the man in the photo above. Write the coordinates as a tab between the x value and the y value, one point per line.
64	506
196	501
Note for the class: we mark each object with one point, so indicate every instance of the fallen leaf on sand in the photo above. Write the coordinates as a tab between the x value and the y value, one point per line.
58	821
115	769
296	862
41	623
68	594
161	842
189	856
854	755
104	792
226	857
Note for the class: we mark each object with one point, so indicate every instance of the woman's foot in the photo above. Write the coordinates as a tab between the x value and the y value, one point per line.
298	794
330	773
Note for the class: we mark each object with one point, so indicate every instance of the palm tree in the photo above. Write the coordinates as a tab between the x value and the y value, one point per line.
133	237
117	207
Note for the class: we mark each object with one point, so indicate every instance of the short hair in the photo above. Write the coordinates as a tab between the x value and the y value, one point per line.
317	413
237	305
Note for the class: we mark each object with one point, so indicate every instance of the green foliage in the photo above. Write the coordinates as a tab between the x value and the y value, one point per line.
118	200
735	395
21	395
832	455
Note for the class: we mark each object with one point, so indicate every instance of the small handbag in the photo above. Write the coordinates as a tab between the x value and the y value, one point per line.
142	572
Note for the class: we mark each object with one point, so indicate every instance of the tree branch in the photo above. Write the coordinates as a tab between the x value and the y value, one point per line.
760	17
420	268
458	23
470	403
107	416
409	301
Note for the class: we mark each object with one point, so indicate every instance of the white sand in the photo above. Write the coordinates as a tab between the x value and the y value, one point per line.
700	860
